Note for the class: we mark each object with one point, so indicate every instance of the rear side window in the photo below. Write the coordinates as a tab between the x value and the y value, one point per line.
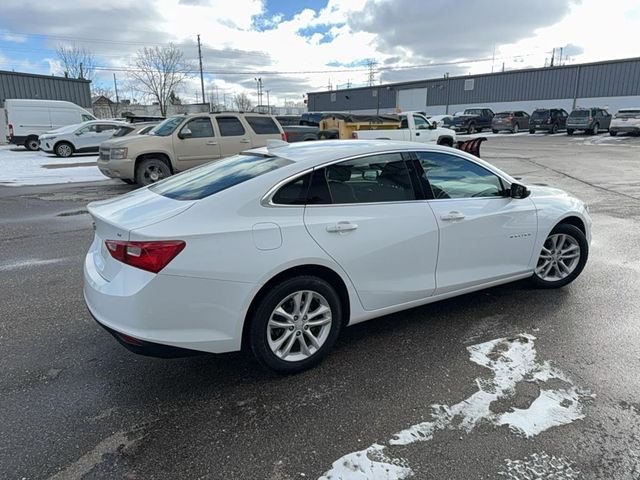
294	192
214	177
122	131
262	125
230	126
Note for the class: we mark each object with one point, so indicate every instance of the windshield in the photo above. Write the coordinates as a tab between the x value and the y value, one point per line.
504	114
473	111
167	127
216	176
540	114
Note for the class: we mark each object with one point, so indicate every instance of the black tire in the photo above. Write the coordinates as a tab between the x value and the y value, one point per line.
259	320
594	130
478	130
495	131
569	131
31	143
576	233
532	130
613	133
64	149
554	128
151	170
471	128
516	128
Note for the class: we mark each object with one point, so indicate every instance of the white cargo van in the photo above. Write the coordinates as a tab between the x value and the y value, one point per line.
27	119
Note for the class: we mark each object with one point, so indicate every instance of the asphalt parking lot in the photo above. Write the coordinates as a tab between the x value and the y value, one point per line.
75	404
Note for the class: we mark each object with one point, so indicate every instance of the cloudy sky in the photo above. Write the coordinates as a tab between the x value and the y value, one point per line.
297	46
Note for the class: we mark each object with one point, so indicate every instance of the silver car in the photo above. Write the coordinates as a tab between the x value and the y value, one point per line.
80	138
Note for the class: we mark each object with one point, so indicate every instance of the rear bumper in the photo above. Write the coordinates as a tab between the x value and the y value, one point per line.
580	126
545	127
159	311
17	140
629	129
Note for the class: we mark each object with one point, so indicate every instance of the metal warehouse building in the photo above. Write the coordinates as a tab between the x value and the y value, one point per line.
612	84
44	87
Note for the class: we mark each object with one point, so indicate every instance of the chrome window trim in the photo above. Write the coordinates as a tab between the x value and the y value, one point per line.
267	198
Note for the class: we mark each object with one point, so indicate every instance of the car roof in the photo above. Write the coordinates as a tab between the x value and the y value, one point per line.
316	153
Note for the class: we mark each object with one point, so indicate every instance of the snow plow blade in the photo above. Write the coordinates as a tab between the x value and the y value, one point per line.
471	146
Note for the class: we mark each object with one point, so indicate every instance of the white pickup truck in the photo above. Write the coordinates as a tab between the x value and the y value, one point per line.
414	127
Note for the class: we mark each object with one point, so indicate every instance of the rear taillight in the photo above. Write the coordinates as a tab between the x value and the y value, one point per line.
149	256
10	130
590	119
285	136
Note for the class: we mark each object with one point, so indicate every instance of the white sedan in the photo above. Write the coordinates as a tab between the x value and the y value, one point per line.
278	248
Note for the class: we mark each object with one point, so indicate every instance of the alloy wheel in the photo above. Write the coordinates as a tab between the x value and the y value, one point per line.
64	150
153	174
559	257
299	326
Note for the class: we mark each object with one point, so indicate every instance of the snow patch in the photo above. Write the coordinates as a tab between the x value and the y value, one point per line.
369	464
538	466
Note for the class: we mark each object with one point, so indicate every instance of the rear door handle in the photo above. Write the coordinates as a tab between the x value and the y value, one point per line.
212	143
342	227
451	216
244	140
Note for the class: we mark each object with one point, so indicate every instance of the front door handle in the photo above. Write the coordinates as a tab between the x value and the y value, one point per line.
212	143
452	216
244	140
342	227
417	134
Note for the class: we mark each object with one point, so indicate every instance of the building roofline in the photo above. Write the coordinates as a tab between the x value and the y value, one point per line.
37	75
479	75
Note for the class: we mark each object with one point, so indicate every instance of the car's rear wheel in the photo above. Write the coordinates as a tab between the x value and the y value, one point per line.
295	324
532	130
562	258
569	131
64	149
613	133
32	143
516	128
151	171
594	130
471	128
494	131
554	128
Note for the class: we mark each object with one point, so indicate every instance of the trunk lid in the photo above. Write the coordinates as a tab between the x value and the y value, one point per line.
114	219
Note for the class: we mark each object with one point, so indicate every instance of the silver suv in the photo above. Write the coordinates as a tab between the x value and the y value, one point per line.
185	141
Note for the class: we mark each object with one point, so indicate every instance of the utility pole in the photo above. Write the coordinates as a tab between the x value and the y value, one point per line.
268	105
201	75
81	71
560	60
553	55
493	58
259	87
115	86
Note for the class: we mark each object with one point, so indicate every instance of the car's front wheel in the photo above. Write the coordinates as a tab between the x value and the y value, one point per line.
151	170
295	324
562	258
64	149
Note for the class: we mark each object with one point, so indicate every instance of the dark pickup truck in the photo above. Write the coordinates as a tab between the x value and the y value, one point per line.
300	133
472	120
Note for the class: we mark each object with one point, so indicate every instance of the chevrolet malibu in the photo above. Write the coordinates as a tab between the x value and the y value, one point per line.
277	249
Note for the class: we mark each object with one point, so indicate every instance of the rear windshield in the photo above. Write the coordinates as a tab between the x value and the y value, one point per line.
627	113
504	114
122	131
216	176
580	113
263	125
540	114
167	127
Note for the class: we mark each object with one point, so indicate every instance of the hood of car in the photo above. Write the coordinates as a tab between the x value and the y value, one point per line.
544	191
129	140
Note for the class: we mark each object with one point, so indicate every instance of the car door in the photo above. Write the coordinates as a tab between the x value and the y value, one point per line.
605	119
366	214
195	143
422	131
85	137
234	138
485	235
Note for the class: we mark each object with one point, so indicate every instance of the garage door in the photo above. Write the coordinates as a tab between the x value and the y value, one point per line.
412	99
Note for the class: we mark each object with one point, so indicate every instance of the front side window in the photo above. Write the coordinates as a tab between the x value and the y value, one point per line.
88	128
200	127
211	178
230	126
377	178
104	127
451	176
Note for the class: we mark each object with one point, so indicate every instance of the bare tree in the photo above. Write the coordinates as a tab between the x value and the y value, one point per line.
158	71
243	102
76	62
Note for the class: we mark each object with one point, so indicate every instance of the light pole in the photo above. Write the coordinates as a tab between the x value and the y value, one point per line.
259	86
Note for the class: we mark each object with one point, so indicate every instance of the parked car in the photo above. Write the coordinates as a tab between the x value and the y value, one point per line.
441	120
627	120
141	128
185	141
300	133
28	119
513	120
472	120
548	119
413	127
591	120
278	248
82	138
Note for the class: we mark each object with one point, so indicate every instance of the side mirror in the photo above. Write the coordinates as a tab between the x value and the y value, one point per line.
78	134
433	125
519	191
185	133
